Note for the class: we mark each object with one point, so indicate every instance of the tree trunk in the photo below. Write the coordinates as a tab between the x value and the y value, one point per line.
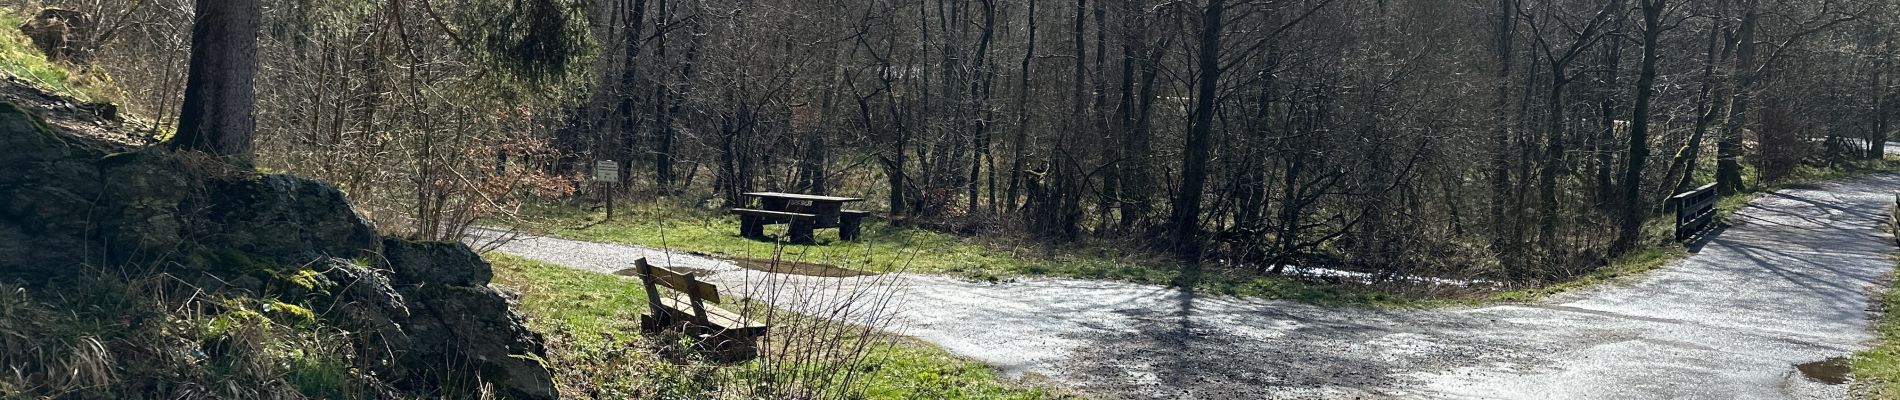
216	116
980	115
629	82
1553	160
1605	165
1501	132
1064	218
1634	210
1022	113
1134	184
1728	167
665	106
1882	117
1110	147
1686	158
1187	206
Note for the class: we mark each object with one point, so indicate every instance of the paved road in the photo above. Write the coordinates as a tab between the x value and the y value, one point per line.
1789	283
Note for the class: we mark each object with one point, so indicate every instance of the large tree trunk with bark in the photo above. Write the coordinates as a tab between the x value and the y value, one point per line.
216	116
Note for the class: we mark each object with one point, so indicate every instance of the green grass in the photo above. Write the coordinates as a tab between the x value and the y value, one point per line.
1628	266
19	58
1877	369
885	247
596	350
109	336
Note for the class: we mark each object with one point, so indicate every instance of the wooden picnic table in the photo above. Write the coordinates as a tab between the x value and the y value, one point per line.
804	212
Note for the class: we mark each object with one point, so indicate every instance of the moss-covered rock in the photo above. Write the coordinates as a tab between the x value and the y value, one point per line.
416	263
48	184
286	218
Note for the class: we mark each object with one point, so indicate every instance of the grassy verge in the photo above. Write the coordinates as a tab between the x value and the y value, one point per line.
19	58
1630	265
1877	369
885	247
591	321
108	336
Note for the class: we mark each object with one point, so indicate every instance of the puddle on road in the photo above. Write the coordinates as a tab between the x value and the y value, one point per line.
1832	371
796	268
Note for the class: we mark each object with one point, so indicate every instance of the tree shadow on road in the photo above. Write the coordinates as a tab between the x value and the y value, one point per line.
1212	346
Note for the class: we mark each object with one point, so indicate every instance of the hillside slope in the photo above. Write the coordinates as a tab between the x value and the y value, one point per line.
136	272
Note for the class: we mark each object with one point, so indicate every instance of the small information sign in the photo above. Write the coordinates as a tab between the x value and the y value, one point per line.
606	171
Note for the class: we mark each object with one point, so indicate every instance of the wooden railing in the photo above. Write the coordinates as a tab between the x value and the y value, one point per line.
1695	210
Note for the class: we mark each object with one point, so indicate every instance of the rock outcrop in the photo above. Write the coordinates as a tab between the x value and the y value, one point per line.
422	314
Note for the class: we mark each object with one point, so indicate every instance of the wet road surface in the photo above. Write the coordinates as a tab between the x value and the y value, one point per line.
1789	283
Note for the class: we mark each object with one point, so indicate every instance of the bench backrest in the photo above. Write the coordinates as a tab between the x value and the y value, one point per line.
673	279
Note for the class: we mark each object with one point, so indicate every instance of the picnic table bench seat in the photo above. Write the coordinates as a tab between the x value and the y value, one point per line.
804	212
850	222
786	215
752	223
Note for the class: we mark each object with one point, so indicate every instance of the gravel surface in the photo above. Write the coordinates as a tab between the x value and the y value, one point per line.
1789	283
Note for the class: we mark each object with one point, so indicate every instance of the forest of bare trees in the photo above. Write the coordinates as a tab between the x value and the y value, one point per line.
1521	139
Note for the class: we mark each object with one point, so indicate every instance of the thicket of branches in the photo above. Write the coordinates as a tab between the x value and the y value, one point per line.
430	114
1513	138
1525	139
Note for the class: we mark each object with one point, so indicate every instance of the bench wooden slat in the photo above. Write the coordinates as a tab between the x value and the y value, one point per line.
798	196
715	316
677	281
770	213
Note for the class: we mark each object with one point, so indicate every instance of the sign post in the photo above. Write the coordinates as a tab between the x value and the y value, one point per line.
607	171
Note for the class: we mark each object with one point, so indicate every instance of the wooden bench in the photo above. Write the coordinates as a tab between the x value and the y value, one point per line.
752	223
731	336
1695	210
849	224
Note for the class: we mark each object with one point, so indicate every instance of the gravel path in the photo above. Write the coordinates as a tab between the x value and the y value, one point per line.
1789	283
